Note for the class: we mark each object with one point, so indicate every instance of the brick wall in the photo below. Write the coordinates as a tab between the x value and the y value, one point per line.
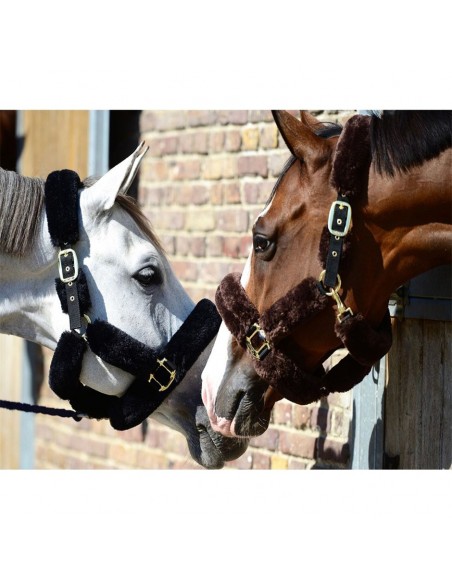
204	180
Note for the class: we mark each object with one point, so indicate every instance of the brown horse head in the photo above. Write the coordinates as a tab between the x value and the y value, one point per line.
401	227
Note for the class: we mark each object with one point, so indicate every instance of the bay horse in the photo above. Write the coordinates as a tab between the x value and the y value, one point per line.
129	283
356	213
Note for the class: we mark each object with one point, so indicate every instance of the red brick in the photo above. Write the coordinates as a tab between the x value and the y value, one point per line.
184	170
218	167
297	443
246	242
252	192
191	194
212	273
232	247
282	412
252	165
149	459
122	453
162	145
185	270
296	464
245	462
232	220
339	423
269	137
156	170
268	440
232	116
153	196
320	418
332	450
301	416
260	116
233	141
170	120
276	163
169	243
194	142
201	117
194	245
214	245
231	193
261	461
216	193
167	219
216	141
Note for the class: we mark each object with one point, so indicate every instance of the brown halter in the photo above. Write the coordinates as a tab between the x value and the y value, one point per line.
265	336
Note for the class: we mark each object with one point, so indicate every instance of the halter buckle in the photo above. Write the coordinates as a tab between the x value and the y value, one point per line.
67	268
169	372
264	349
339	225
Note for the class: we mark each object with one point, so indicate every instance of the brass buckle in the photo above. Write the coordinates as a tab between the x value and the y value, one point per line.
343	312
345	229
264	349
169	368
65	253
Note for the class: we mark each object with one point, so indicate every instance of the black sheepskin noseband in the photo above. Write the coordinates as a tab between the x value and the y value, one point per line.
267	336
157	373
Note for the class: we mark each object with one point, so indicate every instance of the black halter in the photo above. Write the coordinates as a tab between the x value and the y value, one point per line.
265	335
157	373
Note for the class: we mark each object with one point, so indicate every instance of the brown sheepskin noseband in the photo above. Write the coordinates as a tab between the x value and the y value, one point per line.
267	336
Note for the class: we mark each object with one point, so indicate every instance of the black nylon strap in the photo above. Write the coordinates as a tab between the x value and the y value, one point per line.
68	269
333	258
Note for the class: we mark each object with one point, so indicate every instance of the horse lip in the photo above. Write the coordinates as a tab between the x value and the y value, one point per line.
215	449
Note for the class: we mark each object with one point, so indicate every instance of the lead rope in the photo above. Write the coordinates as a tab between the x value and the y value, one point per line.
35	409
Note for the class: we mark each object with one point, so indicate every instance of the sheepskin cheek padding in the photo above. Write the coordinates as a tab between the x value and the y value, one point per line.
366	344
62	220
118	348
297	306
290	311
66	365
64	378
235	308
351	173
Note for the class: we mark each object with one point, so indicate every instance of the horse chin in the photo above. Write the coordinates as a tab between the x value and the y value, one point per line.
209	448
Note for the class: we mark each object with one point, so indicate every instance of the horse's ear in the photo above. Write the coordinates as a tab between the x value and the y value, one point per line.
101	195
300	137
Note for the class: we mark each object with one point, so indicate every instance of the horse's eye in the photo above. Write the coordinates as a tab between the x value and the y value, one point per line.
149	276
260	243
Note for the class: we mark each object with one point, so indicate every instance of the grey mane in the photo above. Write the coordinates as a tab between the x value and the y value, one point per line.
21	203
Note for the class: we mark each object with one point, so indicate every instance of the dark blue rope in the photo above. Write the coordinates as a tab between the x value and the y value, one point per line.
10	405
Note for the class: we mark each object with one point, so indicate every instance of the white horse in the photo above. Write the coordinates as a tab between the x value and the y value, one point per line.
131	285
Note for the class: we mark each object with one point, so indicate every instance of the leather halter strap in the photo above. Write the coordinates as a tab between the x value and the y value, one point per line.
157	373
265	336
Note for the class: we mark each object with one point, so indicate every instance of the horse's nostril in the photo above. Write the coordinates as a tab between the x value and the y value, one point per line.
228	402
